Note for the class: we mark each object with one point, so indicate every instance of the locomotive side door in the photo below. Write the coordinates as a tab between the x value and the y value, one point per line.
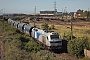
47	41
44	40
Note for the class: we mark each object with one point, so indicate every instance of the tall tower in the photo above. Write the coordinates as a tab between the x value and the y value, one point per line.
34	16
55	8
35	10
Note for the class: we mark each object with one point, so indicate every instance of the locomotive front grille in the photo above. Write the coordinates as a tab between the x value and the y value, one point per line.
56	43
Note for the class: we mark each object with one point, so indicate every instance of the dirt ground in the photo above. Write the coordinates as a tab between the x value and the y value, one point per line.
71	57
59	22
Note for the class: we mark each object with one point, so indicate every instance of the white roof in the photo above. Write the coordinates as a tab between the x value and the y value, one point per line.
45	32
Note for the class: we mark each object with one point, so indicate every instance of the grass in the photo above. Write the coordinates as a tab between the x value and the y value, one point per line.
85	58
12	42
65	29
83	31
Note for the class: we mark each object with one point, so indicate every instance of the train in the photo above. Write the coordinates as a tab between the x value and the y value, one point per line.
50	39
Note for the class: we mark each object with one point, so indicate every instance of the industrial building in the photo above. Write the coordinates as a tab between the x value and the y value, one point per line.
47	12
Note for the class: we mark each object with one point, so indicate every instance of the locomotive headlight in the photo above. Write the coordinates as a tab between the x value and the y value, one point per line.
56	43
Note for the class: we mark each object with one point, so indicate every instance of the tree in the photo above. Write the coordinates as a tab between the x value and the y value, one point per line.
32	47
86	14
45	26
77	46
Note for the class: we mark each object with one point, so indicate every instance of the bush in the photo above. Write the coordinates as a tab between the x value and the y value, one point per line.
87	32
14	43
32	47
45	25
47	55
77	46
52	27
68	37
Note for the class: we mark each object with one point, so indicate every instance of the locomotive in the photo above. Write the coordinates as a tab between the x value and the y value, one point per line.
50	39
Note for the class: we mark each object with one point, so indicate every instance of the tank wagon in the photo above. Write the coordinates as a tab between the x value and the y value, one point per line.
21	26
9	21
50	39
16	24
28	29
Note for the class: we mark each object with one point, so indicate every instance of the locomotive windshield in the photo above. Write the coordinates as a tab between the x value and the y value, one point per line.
54	36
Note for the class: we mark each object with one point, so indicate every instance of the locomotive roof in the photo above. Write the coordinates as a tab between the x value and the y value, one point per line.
46	32
28	26
21	24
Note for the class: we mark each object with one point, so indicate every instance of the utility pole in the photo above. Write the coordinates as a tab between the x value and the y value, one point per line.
62	13
1	12
71	29
34	16
66	12
88	14
71	33
4	11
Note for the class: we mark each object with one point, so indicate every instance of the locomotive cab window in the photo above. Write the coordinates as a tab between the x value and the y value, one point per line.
47	38
54	36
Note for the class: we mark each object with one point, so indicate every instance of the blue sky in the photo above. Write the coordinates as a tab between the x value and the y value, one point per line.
27	6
